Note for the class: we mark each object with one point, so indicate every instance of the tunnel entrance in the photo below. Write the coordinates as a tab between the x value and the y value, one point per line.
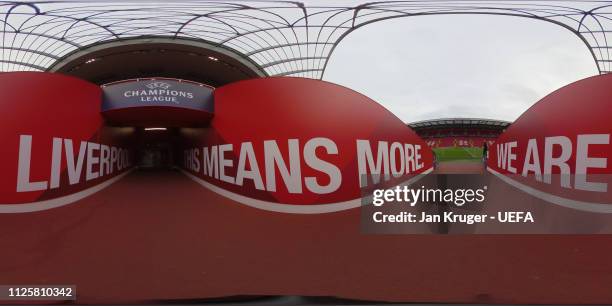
157	82
157	108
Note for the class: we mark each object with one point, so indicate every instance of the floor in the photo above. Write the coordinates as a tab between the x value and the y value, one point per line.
159	237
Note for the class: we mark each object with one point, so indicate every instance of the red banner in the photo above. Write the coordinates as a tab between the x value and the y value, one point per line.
54	146
559	149
283	144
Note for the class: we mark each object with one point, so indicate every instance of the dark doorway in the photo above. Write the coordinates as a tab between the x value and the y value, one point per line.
156	149
156	156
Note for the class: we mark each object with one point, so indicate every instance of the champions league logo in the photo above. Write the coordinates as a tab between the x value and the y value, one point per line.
158	91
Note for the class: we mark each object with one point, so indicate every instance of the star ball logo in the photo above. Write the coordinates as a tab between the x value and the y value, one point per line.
158	84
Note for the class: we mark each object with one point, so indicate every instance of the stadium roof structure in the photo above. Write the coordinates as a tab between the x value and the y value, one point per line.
459	122
282	38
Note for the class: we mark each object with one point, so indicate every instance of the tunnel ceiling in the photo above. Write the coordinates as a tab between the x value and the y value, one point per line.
280	38
153	57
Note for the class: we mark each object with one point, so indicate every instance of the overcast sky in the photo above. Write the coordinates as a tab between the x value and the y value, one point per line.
459	66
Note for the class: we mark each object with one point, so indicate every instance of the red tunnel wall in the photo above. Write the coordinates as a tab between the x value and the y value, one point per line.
38	107
569	129
335	118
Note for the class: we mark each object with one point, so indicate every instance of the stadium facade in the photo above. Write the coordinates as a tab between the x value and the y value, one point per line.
459	132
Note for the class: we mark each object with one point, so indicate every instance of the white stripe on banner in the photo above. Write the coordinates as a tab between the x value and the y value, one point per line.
601	208
292	208
58	202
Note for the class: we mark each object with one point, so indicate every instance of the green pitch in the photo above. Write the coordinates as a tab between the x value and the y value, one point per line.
458	153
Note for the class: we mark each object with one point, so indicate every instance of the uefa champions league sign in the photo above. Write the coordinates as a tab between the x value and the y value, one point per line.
156	93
